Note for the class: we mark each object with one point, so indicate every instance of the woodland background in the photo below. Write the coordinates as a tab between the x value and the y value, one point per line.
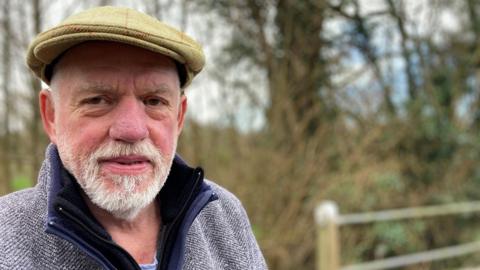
372	104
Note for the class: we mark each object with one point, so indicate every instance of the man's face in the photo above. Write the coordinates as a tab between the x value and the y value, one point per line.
115	113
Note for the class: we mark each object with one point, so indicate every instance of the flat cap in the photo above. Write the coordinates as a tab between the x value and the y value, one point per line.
117	24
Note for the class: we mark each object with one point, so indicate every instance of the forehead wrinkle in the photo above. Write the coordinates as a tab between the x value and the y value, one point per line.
156	74
65	70
152	86
106	88
97	87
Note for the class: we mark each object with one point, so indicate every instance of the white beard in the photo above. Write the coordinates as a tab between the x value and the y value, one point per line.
127	197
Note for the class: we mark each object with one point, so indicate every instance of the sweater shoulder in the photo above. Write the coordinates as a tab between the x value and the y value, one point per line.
19	210
18	214
17	203
224	195
227	208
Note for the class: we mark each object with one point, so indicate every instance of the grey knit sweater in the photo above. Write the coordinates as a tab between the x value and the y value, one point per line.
219	238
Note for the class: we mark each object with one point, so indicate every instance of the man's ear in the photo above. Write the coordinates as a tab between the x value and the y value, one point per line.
182	110
47	111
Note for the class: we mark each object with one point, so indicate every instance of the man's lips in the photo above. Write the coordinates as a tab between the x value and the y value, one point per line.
131	164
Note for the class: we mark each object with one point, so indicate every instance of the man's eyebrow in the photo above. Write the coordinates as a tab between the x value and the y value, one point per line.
106	88
95	88
158	89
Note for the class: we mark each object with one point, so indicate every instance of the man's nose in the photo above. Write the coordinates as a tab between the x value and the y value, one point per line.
130	121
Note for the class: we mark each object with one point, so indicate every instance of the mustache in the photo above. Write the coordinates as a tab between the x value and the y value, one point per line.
115	149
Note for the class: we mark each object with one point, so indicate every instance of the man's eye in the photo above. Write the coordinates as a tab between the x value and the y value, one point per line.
94	100
154	101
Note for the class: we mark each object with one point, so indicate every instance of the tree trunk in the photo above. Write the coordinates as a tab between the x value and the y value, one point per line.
298	79
6	77
38	139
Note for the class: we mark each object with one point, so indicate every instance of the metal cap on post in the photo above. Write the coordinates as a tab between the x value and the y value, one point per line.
328	247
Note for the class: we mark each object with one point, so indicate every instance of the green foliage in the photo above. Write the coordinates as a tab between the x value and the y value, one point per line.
389	182
394	236
20	182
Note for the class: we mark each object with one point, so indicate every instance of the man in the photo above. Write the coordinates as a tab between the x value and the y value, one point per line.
111	193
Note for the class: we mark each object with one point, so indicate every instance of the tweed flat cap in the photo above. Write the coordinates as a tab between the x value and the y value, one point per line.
115	24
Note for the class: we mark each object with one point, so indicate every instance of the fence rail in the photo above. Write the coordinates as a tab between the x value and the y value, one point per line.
328	220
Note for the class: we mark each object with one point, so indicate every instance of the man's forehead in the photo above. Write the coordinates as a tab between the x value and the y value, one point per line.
105	86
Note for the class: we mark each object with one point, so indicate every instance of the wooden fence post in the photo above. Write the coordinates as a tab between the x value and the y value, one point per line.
328	246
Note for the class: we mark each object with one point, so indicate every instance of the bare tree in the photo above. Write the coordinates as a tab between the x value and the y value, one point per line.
397	11
6	79
36	134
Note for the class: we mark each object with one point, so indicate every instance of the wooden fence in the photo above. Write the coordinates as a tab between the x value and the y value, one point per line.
329	220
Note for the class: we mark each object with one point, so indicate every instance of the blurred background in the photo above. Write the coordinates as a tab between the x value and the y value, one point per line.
371	104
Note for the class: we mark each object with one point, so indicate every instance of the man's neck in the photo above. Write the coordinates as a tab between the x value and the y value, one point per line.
137	236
